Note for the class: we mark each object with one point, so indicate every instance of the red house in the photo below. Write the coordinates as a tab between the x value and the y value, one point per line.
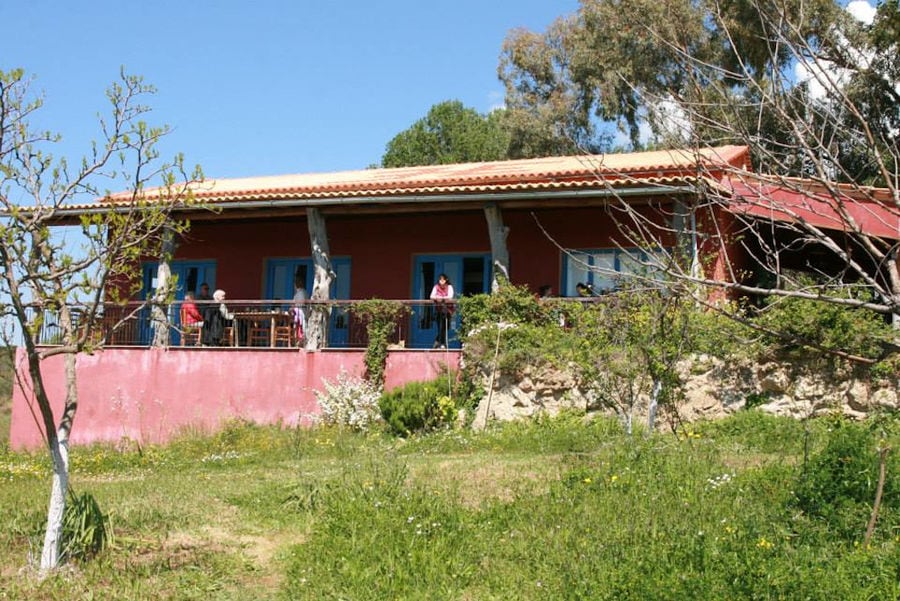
378	233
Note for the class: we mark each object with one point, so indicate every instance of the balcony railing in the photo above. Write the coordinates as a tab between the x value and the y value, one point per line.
254	325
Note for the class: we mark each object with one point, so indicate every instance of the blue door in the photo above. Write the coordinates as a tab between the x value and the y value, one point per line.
468	274
189	275
280	274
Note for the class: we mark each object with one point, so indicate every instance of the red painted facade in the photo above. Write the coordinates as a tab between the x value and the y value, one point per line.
382	247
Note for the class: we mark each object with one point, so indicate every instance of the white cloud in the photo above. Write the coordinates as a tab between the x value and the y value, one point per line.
862	10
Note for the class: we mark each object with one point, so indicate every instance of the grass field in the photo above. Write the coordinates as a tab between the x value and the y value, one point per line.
553	509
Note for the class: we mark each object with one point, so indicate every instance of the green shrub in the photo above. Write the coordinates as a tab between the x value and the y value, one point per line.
838	483
422	406
86	529
380	317
798	324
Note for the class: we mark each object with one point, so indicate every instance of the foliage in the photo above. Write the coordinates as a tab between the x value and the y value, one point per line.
449	133
621	347
86	529
806	88
838	484
529	330
418	407
349	402
887	369
44	273
806	327
380	317
623	67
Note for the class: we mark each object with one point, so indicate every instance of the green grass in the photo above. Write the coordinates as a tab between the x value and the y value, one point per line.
552	509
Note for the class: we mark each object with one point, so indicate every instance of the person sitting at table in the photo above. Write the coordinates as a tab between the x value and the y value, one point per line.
190	314
215	320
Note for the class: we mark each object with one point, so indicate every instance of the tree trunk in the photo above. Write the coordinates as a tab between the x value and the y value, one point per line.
159	312
59	451
654	403
499	253
317	318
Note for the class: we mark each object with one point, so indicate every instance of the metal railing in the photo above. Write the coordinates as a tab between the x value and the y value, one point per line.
134	325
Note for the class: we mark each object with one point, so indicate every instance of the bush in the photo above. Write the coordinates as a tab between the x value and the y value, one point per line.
349	402
798	324
421	406
838	483
86	529
381	318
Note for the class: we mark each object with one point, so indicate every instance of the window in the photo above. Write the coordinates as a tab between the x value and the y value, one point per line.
604	270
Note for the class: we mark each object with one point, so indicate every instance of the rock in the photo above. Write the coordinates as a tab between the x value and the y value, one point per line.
712	388
774	379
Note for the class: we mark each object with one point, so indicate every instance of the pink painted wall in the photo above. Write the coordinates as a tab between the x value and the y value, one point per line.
149	395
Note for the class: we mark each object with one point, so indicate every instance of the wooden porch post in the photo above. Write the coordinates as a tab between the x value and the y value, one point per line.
317	318
499	252
159	311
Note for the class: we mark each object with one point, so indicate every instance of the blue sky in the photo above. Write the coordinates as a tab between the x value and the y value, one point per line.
266	87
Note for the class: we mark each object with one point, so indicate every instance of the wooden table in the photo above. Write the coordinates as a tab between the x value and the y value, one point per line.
250	317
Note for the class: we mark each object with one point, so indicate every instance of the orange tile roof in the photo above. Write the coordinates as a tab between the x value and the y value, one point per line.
551	173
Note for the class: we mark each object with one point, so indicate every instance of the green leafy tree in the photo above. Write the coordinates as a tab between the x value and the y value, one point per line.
619	67
40	274
449	133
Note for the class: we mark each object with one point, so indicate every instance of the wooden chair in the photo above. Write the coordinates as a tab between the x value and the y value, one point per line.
190	333
258	332
284	331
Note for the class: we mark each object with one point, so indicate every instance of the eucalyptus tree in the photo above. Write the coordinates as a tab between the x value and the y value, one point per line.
812	92
44	274
614	68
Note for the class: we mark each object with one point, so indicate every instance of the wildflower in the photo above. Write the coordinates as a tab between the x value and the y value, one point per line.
587	480
762	543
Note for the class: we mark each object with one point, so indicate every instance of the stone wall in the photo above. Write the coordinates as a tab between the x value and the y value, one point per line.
713	388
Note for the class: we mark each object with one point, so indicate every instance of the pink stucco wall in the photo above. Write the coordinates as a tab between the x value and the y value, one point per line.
150	395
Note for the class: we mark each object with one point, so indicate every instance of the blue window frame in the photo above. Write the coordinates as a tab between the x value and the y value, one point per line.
188	275
279	285
603	269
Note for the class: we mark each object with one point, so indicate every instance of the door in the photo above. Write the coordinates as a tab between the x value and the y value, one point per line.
188	275
468	274
280	274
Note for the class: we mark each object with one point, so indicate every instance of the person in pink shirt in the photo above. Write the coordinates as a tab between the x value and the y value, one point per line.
442	295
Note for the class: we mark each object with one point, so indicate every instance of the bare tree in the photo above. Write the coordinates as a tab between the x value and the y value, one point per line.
822	196
42	273
814	210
